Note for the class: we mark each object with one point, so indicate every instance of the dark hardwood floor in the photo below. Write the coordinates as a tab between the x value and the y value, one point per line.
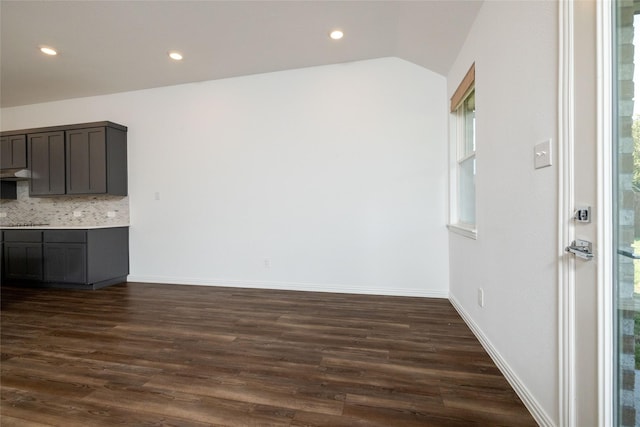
149	354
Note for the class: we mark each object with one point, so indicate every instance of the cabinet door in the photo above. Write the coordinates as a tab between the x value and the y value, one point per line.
13	152
65	262
46	159
86	161
23	261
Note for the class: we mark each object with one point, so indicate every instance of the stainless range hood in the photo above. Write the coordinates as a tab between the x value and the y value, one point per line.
15	174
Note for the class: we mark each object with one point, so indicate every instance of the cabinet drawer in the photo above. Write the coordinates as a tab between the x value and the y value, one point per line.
65	236
23	236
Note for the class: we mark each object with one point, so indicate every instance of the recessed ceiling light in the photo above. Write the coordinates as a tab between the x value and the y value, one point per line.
336	34
48	51
176	56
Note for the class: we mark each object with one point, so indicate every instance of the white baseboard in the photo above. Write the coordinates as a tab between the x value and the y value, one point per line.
293	286
536	410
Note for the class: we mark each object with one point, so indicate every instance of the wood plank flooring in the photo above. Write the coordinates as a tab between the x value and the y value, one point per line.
151	354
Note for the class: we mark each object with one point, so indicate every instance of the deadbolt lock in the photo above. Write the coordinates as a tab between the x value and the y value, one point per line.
582	214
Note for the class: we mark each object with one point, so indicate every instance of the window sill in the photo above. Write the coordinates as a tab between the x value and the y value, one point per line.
469	232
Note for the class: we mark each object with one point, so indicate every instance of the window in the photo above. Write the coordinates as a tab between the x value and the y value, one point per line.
463	154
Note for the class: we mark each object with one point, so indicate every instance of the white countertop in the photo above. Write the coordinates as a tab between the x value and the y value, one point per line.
62	227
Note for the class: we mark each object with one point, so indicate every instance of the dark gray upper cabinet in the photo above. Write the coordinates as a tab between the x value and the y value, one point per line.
88	158
117	183
13	152
96	161
86	161
47	164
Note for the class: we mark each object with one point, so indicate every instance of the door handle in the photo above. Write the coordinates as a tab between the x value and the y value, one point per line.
581	248
628	254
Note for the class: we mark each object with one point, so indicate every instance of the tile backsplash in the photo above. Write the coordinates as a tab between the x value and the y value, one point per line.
59	211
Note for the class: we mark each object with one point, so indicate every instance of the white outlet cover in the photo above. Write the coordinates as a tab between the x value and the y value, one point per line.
542	154
77	213
111	214
481	297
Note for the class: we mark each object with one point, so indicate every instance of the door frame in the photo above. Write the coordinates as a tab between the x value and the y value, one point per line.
566	228
604	211
603	217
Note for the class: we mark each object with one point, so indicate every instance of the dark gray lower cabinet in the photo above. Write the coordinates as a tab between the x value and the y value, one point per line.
23	255
90	258
65	256
65	262
23	261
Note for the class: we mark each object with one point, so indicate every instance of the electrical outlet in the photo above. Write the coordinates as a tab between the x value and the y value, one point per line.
156	195
77	214
481	297
3	214
267	263
111	214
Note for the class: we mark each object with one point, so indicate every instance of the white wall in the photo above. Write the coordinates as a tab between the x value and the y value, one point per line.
336	174
514	46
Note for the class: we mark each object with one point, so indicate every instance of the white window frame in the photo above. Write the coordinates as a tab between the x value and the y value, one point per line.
458	154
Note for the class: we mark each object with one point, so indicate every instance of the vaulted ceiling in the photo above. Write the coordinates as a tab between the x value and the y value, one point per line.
115	46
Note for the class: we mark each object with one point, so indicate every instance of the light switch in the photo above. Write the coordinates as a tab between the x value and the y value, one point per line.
542	154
